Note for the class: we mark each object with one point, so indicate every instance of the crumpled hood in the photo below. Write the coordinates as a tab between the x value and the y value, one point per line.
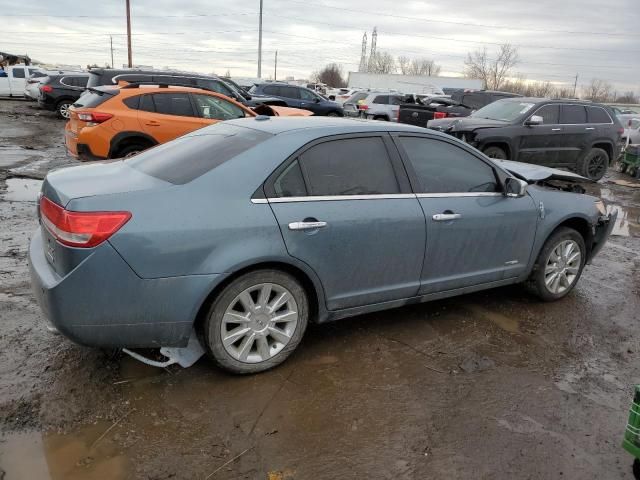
535	173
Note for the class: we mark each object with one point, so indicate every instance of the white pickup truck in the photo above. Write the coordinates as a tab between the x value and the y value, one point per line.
12	85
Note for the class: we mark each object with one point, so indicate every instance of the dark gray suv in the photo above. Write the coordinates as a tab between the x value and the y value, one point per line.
581	136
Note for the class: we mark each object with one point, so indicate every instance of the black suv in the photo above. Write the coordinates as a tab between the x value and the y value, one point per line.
59	92
109	76
581	136
299	97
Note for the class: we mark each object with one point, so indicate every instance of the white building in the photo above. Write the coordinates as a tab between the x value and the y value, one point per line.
409	83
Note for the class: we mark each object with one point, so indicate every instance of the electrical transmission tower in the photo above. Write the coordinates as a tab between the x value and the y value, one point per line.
363	55
372	55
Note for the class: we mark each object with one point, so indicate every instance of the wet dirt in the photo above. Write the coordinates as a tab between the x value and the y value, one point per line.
494	385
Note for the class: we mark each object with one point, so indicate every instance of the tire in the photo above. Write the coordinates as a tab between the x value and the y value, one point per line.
495	152
333	114
62	109
594	164
636	469
541	281
381	118
623	167
262	344
131	150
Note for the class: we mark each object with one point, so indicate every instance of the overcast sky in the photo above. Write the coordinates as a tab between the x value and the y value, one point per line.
557	39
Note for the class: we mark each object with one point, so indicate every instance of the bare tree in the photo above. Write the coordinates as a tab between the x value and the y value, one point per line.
418	66
382	62
598	90
331	75
628	97
493	72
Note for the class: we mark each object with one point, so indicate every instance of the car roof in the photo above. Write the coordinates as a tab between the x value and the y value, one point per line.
278	125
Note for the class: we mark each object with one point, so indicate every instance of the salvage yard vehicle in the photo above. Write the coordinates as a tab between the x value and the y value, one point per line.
420	114
59	92
120	121
242	233
380	106
32	87
299	97
110	76
14	83
582	136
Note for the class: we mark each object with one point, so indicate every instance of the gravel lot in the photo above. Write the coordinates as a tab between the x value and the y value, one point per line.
493	385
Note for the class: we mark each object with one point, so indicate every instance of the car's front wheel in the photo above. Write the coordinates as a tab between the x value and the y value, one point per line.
62	109
495	152
559	265
256	321
594	164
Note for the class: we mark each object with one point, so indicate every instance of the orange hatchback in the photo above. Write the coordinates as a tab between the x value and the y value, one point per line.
116	122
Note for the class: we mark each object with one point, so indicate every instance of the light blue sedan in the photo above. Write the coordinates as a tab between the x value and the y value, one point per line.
237	235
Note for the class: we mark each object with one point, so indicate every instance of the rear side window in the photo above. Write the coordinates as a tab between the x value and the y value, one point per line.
94	98
441	167
573	115
475	101
382	99
146	104
357	97
173	104
187	158
132	102
270	90
290	92
598	115
290	183
550	114
18	73
354	166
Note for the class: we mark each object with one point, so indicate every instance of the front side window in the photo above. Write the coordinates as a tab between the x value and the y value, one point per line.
573	115
290	92
354	166
270	90
441	167
18	73
598	115
173	104
307	95
550	114
215	108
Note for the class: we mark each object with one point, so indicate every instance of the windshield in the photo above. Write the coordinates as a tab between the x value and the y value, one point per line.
504	111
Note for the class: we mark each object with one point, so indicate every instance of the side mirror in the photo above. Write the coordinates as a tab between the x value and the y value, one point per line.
514	187
534	120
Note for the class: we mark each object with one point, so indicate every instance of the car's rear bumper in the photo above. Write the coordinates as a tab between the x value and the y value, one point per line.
602	230
103	303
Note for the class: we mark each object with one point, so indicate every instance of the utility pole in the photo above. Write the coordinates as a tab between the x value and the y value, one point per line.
129	34
111	40
575	86
259	43
275	68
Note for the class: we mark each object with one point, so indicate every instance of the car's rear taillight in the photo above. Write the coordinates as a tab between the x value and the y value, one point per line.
80	229
46	88
363	107
438	115
94	117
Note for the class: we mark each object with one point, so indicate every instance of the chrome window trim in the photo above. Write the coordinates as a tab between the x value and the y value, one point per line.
394	196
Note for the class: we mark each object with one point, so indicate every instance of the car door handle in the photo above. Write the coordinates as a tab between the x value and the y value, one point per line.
590	128
306	225
556	129
153	124
446	217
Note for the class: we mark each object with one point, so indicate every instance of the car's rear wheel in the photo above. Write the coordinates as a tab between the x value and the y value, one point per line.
594	164
495	152
131	150
559	265
256	321
62	109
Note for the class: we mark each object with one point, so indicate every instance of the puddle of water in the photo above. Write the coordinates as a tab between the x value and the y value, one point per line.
87	454
505	323
628	221
22	190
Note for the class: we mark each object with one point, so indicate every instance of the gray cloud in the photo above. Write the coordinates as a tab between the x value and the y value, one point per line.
218	36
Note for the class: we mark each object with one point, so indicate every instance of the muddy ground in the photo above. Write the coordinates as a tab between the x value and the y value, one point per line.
494	385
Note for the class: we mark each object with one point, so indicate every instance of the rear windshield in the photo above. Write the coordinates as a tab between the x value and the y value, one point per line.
93	98
187	158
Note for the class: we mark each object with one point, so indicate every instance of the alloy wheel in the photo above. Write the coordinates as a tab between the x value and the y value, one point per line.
259	323
562	267
597	166
64	110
